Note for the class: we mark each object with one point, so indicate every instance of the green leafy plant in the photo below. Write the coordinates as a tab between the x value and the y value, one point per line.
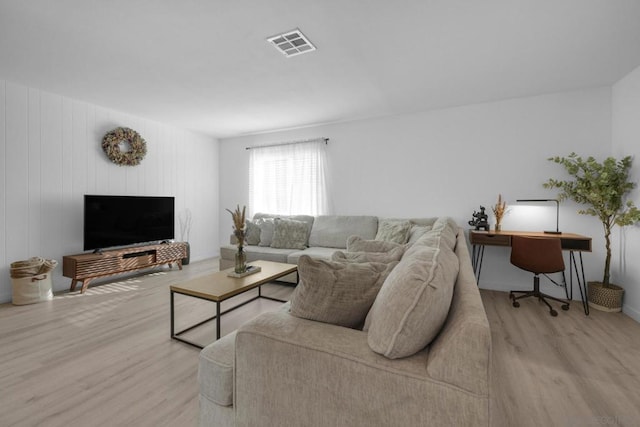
603	187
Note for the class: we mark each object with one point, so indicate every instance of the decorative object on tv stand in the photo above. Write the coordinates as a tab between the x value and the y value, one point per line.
604	188
480	219
124	146
185	230
557	231
499	210
238	231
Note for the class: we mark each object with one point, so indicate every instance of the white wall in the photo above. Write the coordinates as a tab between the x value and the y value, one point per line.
626	141
450	161
50	156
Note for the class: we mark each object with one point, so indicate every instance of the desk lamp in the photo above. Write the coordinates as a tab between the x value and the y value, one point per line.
557	212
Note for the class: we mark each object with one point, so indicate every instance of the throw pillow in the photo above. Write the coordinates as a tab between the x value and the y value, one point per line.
252	233
384	257
267	227
418	231
337	292
289	234
393	231
358	244
413	302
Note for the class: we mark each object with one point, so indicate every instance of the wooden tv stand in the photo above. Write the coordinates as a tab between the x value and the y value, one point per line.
86	267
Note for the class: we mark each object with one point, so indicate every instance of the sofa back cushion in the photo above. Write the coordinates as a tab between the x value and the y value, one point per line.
358	244
413	303
339	293
332	231
385	257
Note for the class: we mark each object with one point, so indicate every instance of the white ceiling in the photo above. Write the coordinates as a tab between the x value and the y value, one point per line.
205	65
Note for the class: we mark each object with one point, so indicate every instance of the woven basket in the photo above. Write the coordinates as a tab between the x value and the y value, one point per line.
27	268
605	299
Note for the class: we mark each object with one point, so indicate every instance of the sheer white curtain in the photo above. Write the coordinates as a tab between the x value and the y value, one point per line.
289	179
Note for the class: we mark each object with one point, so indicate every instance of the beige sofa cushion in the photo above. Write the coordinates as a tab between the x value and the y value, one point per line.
417	231
413	302
358	244
336	292
289	234
384	257
393	231
332	231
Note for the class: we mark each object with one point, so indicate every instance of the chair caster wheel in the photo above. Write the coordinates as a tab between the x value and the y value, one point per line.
553	313
565	307
516	304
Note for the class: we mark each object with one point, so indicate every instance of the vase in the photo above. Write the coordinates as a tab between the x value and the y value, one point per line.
498	227
241	261
185	260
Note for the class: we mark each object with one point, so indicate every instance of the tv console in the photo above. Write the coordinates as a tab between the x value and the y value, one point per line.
86	267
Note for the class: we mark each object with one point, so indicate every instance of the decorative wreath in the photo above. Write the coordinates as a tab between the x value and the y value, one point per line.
111	144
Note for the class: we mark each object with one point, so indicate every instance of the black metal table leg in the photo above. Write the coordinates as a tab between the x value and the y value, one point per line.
582	283
218	320
172	316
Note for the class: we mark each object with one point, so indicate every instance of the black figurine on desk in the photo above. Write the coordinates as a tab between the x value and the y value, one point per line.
480	220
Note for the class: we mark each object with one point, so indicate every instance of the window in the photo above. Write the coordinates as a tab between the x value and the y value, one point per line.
289	179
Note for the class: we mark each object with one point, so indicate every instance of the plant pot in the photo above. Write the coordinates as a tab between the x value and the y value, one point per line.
605	299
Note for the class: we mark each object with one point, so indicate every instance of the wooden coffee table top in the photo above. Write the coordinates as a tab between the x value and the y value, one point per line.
219	287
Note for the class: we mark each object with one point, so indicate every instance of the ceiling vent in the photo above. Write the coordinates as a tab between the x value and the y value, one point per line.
292	43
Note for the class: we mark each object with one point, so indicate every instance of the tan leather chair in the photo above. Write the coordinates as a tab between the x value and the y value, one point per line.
538	255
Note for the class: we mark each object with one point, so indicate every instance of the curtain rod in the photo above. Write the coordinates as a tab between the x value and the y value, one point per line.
326	140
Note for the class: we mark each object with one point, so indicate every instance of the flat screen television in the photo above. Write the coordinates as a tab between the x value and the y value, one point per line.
126	220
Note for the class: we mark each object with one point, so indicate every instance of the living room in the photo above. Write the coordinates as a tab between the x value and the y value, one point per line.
471	108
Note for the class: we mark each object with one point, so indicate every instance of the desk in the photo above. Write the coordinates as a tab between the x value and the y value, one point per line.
569	242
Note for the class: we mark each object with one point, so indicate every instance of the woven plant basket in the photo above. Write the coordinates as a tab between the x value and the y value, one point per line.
27	268
605	299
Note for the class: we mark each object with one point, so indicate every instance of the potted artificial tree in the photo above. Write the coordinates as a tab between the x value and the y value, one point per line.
603	187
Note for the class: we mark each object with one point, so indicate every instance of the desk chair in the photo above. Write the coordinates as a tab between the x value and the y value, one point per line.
538	256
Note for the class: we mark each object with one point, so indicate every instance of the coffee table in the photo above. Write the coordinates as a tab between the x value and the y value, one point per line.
218	287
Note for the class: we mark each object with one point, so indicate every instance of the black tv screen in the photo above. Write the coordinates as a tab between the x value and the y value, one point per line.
124	220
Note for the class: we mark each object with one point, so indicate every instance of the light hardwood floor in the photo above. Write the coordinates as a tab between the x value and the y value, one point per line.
105	358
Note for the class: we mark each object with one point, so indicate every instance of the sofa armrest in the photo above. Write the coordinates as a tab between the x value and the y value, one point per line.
291	371
461	353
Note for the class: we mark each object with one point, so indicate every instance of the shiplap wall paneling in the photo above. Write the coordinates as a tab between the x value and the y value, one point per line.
51	201
35	172
17	172
51	155
4	264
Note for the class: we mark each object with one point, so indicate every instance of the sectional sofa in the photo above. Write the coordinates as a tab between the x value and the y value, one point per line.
422	358
327	234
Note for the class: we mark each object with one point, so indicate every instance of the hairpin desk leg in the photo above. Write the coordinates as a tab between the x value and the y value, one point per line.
476	260
582	283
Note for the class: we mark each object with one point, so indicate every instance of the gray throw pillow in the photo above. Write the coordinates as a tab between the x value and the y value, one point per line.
384	257
393	231
267	227
337	292
358	244
290	234
252	233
